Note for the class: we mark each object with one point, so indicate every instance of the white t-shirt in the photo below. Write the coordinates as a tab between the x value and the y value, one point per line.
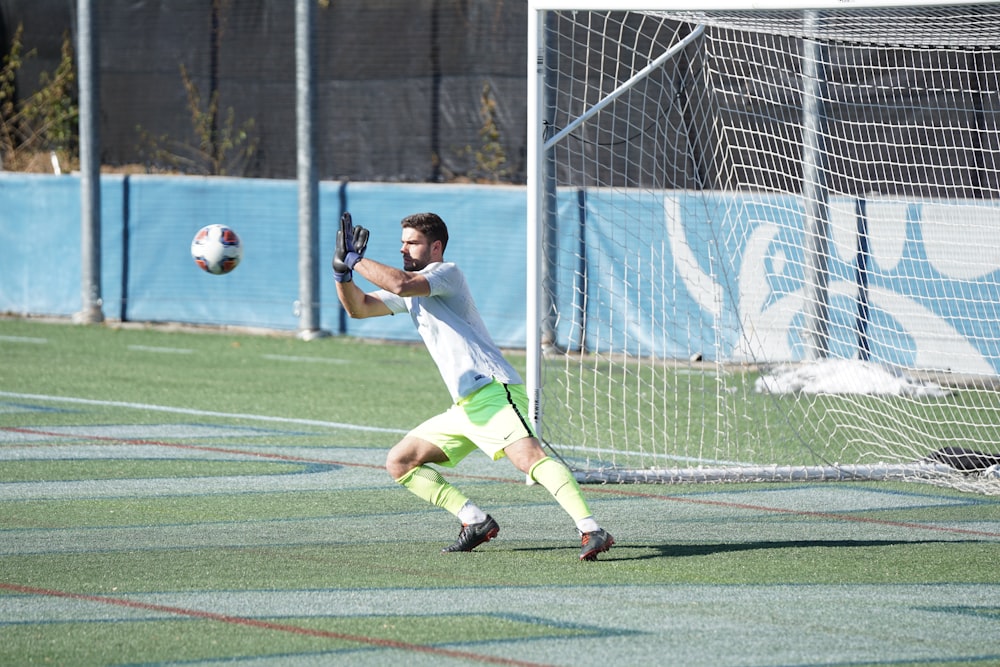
453	331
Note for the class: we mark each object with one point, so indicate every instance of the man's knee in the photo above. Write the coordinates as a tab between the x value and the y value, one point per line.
410	453
525	453
398	462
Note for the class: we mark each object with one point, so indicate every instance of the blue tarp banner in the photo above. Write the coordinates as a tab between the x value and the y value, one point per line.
672	274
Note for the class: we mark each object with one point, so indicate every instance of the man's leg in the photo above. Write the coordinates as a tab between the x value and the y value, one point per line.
406	463
529	457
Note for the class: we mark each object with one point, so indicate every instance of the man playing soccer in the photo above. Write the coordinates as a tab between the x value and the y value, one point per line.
490	402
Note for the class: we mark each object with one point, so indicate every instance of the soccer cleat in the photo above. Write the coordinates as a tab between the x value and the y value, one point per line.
594	543
474	534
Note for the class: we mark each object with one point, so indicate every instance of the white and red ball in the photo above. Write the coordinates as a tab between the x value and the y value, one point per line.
217	249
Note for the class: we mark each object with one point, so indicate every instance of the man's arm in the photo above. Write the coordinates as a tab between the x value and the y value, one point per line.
358	304
350	248
397	281
349	257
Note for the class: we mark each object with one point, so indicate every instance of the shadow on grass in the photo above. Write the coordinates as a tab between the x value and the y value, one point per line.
639	551
687	550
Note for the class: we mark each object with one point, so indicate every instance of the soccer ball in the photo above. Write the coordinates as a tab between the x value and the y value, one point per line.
216	249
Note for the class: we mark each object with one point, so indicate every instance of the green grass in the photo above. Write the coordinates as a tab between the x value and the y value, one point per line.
137	528
359	566
238	373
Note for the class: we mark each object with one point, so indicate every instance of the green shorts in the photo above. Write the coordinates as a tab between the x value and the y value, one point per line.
488	419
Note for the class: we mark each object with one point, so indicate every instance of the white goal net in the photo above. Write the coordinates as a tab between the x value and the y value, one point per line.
765	245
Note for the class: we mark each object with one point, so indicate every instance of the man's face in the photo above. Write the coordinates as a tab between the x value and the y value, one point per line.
416	250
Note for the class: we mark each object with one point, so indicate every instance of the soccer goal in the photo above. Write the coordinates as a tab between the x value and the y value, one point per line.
764	244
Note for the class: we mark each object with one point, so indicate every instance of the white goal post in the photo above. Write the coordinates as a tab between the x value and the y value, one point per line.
764	239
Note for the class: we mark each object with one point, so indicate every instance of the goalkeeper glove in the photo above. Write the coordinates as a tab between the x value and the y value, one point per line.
351	244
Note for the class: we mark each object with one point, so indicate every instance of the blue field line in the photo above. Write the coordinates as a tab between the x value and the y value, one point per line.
578	629
200	413
699	624
558	630
239	492
931	499
11	408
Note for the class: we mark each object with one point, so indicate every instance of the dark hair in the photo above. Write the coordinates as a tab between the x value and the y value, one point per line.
430	225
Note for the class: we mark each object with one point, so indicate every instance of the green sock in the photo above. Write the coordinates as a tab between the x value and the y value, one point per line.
559	481
427	483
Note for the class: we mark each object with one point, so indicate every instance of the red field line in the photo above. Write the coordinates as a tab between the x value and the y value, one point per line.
180	445
268	625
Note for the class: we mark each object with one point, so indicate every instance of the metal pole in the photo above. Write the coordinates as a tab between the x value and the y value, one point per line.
862	262
550	207
535	205
815	195
90	167
305	111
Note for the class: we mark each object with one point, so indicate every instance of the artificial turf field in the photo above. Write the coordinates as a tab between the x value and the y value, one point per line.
195	498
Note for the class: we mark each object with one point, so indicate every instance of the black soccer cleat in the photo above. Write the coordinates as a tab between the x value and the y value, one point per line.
474	534
594	543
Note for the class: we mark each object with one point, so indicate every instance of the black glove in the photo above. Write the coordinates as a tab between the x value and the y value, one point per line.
360	244
351	244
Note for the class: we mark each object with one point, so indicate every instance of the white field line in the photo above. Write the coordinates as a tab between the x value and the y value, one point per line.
319	360
24	339
270	357
199	413
166	350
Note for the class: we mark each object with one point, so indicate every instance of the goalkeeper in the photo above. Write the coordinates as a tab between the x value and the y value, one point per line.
490	403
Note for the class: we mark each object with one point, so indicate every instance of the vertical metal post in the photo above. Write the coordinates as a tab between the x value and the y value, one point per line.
437	83
815	195
549	259
90	166
342	317
861	270
582	279
305	113
535	204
